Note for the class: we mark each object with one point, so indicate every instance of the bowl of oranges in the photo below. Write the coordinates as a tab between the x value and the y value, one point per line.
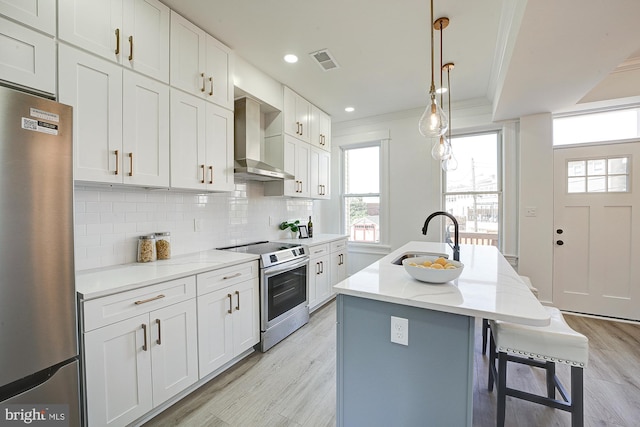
432	269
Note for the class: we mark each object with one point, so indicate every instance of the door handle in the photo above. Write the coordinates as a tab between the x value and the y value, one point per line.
144	332
559	231
559	243
159	340
230	304
238	294
117	51
130	48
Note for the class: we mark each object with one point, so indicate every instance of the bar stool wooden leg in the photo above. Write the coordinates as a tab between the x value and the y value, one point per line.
485	333
577	397
502	388
550	367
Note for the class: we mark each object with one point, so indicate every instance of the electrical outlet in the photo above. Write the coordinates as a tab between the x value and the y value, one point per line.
197	224
399	330
531	211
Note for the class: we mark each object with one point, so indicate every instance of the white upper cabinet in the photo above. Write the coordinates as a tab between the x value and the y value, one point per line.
320	129
134	33
38	14
115	141
297	115
200	65
27	57
201	144
320	171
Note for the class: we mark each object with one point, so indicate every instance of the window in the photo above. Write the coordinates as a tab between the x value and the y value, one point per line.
597	127
361	192
604	175
473	192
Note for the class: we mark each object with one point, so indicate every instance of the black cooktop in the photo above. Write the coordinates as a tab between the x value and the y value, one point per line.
260	248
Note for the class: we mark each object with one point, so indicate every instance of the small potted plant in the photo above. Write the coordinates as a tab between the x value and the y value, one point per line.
293	226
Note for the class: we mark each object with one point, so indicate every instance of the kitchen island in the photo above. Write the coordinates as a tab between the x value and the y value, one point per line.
430	380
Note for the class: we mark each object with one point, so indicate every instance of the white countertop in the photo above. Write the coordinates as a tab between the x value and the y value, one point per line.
96	283
488	286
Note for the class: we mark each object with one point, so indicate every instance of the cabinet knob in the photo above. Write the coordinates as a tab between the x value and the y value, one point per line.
559	231
559	243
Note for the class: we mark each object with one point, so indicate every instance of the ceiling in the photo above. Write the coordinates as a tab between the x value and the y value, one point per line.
521	57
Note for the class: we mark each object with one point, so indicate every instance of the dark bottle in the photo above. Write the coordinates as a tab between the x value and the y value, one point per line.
310	227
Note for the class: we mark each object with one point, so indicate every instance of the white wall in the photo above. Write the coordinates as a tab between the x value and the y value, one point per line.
109	220
536	190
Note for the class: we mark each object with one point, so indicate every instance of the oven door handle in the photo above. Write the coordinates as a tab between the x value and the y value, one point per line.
277	269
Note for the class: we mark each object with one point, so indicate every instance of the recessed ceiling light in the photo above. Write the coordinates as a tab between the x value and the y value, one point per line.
349	109
291	58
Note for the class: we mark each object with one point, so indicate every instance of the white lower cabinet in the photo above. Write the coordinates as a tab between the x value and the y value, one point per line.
338	262
327	267
136	364
228	315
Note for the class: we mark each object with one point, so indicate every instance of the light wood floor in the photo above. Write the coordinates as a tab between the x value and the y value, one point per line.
293	384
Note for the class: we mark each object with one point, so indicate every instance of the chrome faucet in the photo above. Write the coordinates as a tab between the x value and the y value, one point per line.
456	235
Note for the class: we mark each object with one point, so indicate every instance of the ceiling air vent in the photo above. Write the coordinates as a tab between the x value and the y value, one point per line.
325	60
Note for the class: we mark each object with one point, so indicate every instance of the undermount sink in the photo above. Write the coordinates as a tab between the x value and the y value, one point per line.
398	261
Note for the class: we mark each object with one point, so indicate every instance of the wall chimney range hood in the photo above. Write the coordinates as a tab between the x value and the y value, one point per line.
248	162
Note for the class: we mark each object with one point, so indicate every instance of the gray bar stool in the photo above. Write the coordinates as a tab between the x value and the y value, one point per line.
540	347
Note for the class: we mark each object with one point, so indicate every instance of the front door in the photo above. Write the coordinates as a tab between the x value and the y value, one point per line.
596	266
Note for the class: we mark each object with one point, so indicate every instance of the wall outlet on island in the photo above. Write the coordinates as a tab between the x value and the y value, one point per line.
399	330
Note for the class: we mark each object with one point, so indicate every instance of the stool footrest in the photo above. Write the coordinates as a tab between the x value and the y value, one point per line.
553	403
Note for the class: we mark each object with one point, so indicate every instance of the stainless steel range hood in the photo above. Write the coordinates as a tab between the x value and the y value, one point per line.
248	161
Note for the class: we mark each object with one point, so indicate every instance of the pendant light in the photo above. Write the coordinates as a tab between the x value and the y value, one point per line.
449	163
433	122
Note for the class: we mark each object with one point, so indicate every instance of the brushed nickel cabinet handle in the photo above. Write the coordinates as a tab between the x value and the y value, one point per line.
202	180
130	48
211	81
144	332
210	174
117	153
238	306
117	51
202	89
130	164
159	340
230	304
149	299
232	276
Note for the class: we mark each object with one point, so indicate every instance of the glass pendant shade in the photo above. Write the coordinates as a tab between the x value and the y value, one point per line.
450	163
441	149
433	122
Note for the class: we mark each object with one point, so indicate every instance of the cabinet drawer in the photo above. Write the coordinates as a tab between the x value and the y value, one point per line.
338	245
113	308
318	250
218	279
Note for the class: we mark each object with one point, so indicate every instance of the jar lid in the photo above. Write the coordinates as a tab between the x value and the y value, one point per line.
148	236
163	233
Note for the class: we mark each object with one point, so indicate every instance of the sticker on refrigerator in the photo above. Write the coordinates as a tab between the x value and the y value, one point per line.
44	115
39	126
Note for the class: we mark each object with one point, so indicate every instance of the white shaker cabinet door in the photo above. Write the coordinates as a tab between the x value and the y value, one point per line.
246	316
93	87
188	67
39	14
94	25
219	149
145	131
118	372
146	38
27	58
219	73
215	329
188	169
174	349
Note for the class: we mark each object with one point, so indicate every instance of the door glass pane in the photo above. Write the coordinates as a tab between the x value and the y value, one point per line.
576	168
596	184
362	170
576	185
363	218
596	167
617	166
618	183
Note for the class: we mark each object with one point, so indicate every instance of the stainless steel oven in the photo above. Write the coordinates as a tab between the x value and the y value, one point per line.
284	289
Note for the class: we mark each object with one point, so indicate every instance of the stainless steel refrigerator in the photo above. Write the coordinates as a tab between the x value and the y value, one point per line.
38	329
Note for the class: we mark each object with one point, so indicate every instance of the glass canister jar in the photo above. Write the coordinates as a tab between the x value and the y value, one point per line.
147	248
163	245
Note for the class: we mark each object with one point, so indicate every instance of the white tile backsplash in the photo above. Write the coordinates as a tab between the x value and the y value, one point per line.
109	220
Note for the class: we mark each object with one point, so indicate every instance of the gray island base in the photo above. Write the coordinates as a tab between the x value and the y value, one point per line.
429	382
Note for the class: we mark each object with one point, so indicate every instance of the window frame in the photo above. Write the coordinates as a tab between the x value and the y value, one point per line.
500	163
383	144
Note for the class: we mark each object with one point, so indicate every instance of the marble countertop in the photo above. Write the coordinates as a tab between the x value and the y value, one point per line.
488	286
97	283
